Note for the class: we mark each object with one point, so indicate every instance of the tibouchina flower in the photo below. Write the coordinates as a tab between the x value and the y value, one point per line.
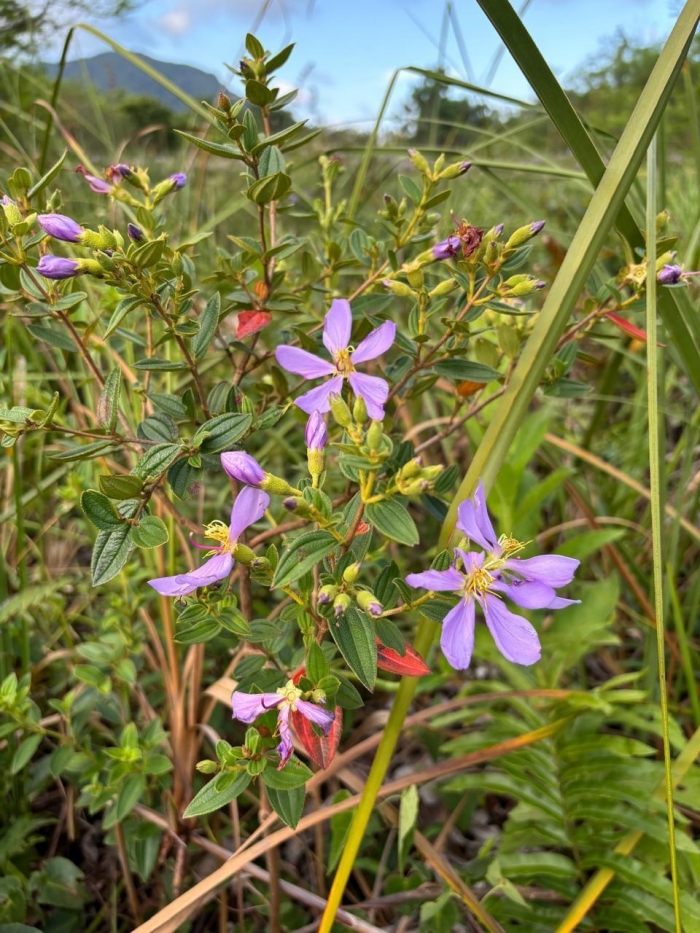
242	467
248	706
316	432
249	507
336	338
672	274
98	185
179	180
484	578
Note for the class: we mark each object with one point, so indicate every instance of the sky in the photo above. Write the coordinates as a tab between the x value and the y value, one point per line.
347	50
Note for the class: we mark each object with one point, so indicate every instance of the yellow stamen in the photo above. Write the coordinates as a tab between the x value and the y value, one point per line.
290	693
343	365
219	532
478	581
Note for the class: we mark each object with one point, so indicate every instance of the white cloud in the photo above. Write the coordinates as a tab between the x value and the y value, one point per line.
176	22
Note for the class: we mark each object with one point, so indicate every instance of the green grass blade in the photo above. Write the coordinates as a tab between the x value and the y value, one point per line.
682	326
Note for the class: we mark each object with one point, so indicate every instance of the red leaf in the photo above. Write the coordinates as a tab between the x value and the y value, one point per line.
320	748
628	327
250	322
411	664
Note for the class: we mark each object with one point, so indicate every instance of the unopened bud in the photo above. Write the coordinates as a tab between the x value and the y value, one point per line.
368	601
243	554
252	740
398	288
444	288
261	564
223	102
374	435
207	766
411	469
523	234
431	473
319	696
277	486
135	233
415	278
11	211
351	573
359	410
455	170
662	220
420	162
340	411
341	604
327	594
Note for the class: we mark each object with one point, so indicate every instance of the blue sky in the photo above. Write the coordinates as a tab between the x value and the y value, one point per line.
347	49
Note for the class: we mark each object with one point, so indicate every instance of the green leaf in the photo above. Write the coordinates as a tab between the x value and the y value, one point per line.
196	631
83	451
157	365
411	188
169	404
355	636
393	520
276	61
317	667
222	432
158	427
150	532
466	371
258	93
148	254
254	46
287	804
208	321
183	478
389	635
47	177
301	555
270	188
132	791
108	402
112	549
276	138
24	753
156	460
271	162
227	152
121	486
120	312
209	799
294	774
99	510
408	814
53	337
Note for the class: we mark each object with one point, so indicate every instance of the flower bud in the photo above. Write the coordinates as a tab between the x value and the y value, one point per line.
327	594
261	565
359	410
278	486
368	601
351	573
444	288
223	102
411	469
341	604
207	766
243	554
374	435
432	472
242	467
179	180
455	170
415	278
316	432
669	275
135	233
98	185
11	211
398	288
340	411
523	234
525	285
420	162
447	249
56	267
662	220
319	696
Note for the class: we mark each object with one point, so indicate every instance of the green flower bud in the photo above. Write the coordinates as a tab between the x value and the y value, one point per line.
351	573
340	411
455	170
359	410
444	288
207	766
252	741
662	220
243	554
277	486
398	288
523	234
316	461
368	602
420	162
319	696
327	594
432	472
374	435
341	604
411	469
415	278
11	211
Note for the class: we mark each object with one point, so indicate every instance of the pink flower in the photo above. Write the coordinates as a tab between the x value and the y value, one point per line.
248	706
337	330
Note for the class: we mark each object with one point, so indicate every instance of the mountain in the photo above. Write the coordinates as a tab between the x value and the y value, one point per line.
109	70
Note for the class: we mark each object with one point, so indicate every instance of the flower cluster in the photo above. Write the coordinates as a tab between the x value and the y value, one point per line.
483	578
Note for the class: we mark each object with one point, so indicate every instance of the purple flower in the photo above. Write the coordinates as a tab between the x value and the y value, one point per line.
61	227
98	185
336	337
316	432
135	233
56	267
120	170
179	180
669	275
536	226
484	578
248	508
242	467
447	249
248	706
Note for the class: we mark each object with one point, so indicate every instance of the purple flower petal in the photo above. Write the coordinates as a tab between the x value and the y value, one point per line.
561	603
60	227
535	595
249	507
316	714
515	638
301	363
337	326
56	267
286	746
248	706
552	569
440	581
474	520
216	568
375	343
373	390
318	399
457	638
316	434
